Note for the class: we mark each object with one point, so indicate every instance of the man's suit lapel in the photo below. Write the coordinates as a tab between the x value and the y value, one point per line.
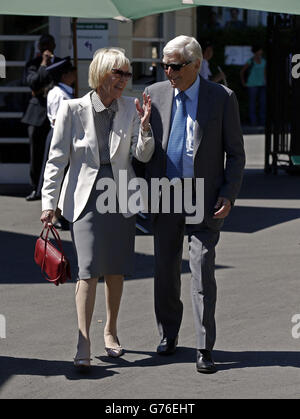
202	113
166	114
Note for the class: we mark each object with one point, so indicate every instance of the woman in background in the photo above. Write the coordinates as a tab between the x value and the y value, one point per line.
256	84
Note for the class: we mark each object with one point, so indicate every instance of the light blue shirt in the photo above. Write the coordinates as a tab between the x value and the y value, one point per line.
191	108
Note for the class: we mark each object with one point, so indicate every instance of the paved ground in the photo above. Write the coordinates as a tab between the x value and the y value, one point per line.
258	293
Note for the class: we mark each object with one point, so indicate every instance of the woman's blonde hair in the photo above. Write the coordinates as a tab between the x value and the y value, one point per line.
104	60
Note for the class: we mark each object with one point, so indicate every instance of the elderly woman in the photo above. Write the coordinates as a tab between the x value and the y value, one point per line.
96	136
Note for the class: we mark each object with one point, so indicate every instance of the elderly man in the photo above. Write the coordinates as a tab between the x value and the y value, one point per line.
196	125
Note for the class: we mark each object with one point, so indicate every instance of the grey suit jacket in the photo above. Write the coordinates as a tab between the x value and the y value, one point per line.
219	155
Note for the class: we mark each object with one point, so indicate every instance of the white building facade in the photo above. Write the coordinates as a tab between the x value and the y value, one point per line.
142	40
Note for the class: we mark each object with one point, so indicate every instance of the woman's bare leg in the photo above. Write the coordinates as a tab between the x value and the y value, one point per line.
85	301
113	294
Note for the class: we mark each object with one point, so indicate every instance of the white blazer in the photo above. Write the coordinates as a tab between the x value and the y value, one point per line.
74	142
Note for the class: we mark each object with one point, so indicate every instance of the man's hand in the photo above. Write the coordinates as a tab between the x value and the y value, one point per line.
222	208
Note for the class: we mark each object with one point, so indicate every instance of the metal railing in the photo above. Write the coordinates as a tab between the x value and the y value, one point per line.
283	91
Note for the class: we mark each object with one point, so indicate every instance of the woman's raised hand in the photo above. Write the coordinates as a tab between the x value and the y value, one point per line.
144	111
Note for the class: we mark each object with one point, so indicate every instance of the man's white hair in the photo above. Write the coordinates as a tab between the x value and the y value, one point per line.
187	46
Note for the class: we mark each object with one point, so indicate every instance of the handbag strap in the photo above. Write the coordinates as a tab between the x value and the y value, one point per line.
50	227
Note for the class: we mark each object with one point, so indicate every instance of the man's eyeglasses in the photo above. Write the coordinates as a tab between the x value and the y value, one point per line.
119	74
175	67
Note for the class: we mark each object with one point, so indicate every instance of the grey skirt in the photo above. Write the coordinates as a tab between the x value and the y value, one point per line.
104	243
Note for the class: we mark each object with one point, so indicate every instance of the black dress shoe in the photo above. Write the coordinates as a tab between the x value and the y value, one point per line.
64	223
167	346
57	224
205	363
33	196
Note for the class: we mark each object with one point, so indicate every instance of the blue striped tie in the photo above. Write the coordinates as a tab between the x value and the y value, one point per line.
177	140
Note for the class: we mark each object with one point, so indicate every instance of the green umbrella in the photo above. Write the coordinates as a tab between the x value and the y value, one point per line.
132	9
105	9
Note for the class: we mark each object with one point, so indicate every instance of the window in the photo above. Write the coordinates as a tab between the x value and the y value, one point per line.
18	41
147	49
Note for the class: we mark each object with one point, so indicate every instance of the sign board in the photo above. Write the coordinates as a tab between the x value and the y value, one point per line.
237	55
90	37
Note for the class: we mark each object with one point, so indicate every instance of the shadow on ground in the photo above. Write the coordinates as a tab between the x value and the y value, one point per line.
225	360
104	366
258	185
17	250
251	219
261	186
18	266
17	190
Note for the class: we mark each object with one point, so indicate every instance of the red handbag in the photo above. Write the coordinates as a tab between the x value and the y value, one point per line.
54	265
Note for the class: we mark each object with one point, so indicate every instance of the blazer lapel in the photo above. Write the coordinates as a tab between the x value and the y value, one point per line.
202	113
166	106
118	127
88	123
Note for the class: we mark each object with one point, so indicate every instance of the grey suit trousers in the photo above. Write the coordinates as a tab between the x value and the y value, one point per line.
169	230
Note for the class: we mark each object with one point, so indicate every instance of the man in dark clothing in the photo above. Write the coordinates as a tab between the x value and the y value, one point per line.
40	81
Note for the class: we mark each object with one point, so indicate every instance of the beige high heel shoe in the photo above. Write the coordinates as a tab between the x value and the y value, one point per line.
82	365
115	352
